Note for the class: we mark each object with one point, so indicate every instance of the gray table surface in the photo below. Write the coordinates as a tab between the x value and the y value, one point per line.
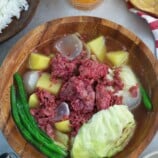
114	10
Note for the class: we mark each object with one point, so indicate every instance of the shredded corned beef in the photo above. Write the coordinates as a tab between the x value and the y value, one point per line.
62	67
116	100
81	97
118	84
134	91
77	119
88	86
85	91
105	96
79	93
93	69
46	111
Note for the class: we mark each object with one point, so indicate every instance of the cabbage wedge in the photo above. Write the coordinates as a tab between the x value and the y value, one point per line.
105	134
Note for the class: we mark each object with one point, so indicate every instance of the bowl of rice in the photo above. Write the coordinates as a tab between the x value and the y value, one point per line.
14	16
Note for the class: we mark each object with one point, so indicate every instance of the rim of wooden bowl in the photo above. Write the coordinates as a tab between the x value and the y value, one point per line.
12	55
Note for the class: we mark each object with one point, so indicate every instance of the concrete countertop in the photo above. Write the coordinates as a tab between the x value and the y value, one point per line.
114	10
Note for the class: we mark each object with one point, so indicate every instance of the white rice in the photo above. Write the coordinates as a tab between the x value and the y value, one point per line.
9	9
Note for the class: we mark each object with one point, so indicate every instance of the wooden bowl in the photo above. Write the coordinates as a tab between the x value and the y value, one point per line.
141	59
18	24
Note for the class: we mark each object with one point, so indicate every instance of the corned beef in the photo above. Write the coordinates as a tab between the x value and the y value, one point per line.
77	119
117	82
134	91
79	93
62	67
45	113
88	87
103	97
106	90
93	69
106	98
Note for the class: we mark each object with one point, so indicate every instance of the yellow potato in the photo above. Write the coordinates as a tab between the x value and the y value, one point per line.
33	101
45	82
98	47
38	61
63	126
117	58
62	138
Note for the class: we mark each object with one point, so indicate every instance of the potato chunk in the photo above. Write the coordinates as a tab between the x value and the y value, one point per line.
63	126
98	47
45	82
117	58
62	138
38	61
33	101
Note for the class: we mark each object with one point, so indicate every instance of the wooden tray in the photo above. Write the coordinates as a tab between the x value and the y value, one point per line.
18	24
143	62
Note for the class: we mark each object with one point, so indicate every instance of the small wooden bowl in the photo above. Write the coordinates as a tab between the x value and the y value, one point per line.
141	59
18	24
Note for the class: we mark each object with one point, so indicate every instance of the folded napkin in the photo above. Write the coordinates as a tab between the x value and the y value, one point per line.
151	20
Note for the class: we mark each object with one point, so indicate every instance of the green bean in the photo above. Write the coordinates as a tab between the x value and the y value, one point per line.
23	98
22	95
146	99
21	89
13	105
34	132
22	129
30	124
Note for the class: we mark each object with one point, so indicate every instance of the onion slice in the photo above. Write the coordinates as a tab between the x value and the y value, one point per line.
62	111
69	46
130	101
30	79
129	80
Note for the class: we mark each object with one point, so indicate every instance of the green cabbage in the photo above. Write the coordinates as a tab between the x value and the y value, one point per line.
105	134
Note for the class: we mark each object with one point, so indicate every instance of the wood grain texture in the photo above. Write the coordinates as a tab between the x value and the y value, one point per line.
42	37
18	24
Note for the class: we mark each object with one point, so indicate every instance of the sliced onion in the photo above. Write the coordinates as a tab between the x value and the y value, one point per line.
129	80
84	45
69	46
132	102
128	77
129	100
30	79
62	111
